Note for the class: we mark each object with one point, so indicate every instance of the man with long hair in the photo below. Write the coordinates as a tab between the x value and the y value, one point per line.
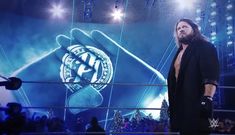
192	80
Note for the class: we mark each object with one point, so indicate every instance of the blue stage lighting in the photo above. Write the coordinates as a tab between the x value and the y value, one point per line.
230	32
213	38
186	4
229	43
198	19
200	28
229	6
229	27
198	11
213	13
213	4
213	23
213	33
228	18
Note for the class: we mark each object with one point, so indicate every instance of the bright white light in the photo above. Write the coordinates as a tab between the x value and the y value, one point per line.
213	38
156	103
187	4
57	10
198	19
229	18
230	32
230	54
229	6
213	4
198	11
229	27
213	33
117	15
213	23
213	13
229	42
200	28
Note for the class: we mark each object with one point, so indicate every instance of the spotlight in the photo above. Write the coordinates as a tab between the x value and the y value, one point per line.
117	15
230	32
213	23
200	28
213	4
229	18
229	6
229	27
229	43
57	10
213	13
198	19
230	54
198	11
213	33
213	38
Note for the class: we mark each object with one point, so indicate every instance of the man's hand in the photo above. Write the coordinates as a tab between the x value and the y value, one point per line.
206	107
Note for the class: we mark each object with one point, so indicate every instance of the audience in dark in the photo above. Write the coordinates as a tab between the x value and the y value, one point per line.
95	128
17	122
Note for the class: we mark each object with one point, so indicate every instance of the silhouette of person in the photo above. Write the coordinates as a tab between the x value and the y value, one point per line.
95	128
192	80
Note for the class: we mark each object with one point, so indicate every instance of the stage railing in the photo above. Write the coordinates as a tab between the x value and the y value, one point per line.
113	108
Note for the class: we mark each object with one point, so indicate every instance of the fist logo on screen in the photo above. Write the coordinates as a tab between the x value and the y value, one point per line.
85	69
84	65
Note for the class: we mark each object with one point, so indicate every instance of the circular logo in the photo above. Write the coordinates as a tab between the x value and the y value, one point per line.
85	65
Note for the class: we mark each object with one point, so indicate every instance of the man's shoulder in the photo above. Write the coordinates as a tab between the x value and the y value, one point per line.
203	44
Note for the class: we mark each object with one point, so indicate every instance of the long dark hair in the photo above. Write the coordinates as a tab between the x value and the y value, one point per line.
196	32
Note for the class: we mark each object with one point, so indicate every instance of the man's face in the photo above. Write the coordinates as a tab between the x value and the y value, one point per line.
184	32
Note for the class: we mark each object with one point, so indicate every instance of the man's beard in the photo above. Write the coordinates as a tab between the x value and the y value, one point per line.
186	40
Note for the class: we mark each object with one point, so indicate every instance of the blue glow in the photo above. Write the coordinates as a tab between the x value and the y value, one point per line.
229	18
213	23
198	19
229	6
37	56
213	33
213	4
200	28
156	103
229	27
213	38
230	32
229	43
198	11
213	13
189	4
